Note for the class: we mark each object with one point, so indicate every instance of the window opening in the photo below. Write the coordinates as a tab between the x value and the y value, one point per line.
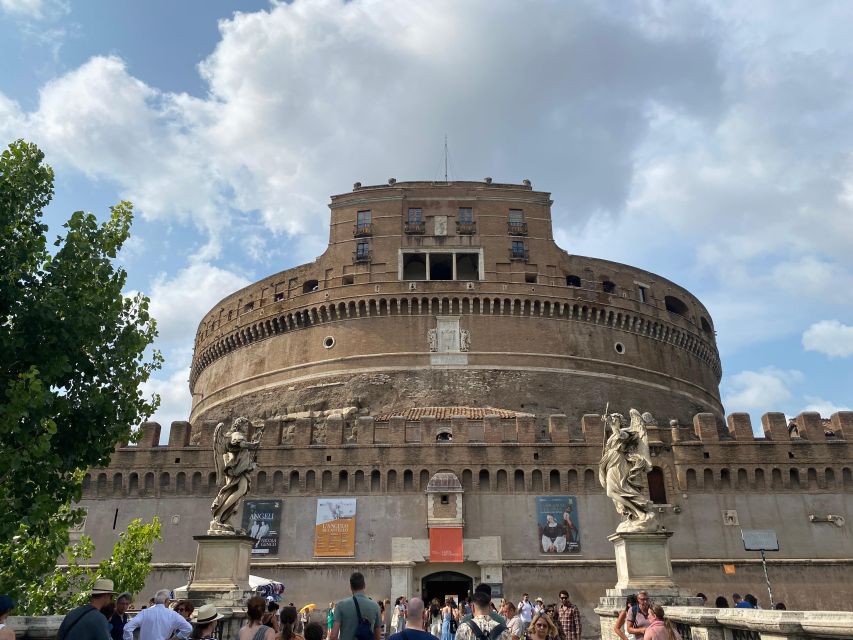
363	217
415	215
441	266
641	291
310	285
657	486
516	216
465	215
517	251
348	279
573	281
608	286
278	297
414	266
362	252
530	278
467	266
674	305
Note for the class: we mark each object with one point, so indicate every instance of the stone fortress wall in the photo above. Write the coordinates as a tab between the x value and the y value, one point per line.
580	328
716	479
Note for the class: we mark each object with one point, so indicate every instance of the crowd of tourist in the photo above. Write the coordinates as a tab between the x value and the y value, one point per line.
358	617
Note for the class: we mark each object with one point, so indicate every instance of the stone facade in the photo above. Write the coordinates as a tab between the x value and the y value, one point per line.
457	400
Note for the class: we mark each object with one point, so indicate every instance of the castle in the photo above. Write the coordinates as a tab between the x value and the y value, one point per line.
441	370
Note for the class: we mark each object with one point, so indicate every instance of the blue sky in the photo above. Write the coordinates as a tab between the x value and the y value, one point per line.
711	143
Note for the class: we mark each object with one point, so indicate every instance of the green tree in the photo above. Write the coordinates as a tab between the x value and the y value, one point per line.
28	572
72	348
130	563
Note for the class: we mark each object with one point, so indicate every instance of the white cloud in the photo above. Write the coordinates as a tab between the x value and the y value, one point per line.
179	303
763	390
173	389
829	337
824	407
35	9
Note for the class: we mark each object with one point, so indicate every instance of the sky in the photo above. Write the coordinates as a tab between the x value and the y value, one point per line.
711	143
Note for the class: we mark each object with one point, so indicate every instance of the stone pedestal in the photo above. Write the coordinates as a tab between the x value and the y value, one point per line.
221	574
642	564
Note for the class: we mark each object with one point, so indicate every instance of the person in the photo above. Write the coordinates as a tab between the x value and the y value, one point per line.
736	599
395	616
435	617
569	617
448	620
542	628
120	617
751	600
350	611
288	624
204	624
553	537
6	606
270	618
721	602
158	621
482	625
743	603
780	606
401	618
330	617
659	627
413	629
80	624
638	616
495	615
184	608
254	629
385	613
539	607
525	611
513	620
703	597
313	631
619	626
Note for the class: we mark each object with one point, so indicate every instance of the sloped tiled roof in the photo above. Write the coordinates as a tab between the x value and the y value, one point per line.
446	413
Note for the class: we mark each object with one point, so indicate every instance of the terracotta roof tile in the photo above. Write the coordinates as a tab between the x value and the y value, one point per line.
446	413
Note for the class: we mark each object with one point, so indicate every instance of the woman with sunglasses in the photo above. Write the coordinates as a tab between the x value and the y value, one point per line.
541	628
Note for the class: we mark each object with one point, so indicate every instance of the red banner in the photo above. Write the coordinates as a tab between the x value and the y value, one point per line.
445	544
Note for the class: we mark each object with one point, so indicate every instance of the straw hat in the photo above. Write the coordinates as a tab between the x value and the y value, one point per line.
206	614
102	586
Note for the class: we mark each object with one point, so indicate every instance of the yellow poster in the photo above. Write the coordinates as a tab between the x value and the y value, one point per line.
334	530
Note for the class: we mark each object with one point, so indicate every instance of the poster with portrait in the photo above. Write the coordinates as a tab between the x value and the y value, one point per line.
558	530
334	530
262	521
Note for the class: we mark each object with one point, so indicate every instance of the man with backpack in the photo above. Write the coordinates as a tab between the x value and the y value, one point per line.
638	616
482	626
356	618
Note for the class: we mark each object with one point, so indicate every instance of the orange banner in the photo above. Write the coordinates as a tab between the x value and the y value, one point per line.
445	544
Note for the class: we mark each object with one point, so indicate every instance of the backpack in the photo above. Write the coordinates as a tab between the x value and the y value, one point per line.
364	629
494	634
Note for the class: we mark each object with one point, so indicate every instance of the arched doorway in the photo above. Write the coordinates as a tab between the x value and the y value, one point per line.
446	583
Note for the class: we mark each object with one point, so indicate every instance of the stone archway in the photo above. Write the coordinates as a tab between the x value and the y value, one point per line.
446	583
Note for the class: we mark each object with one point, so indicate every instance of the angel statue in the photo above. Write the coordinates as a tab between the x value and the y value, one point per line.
234	456
623	466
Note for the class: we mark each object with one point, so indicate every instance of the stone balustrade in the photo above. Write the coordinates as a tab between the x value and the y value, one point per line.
700	623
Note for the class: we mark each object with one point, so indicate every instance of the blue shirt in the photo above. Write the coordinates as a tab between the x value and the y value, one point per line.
743	604
412	634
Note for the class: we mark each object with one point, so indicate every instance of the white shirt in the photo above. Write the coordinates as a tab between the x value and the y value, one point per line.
156	623
525	610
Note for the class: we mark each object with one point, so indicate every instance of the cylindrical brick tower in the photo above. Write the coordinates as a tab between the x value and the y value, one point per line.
454	295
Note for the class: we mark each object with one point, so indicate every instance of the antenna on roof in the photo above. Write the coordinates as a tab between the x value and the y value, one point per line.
445	157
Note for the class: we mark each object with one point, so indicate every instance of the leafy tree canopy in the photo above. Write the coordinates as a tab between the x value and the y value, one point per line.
72	348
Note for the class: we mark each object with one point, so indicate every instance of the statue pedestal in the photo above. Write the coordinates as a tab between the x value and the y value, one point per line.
221	575
642	561
642	564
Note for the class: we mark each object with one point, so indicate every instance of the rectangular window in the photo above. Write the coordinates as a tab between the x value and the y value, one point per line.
362	250
363	218
518	247
466	215
516	216
415	215
642	293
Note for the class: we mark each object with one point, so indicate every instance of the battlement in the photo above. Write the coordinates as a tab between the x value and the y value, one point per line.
482	426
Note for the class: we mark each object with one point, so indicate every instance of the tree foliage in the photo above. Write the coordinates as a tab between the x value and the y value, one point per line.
28	572
72	348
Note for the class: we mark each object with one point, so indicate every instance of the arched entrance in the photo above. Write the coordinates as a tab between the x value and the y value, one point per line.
446	583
